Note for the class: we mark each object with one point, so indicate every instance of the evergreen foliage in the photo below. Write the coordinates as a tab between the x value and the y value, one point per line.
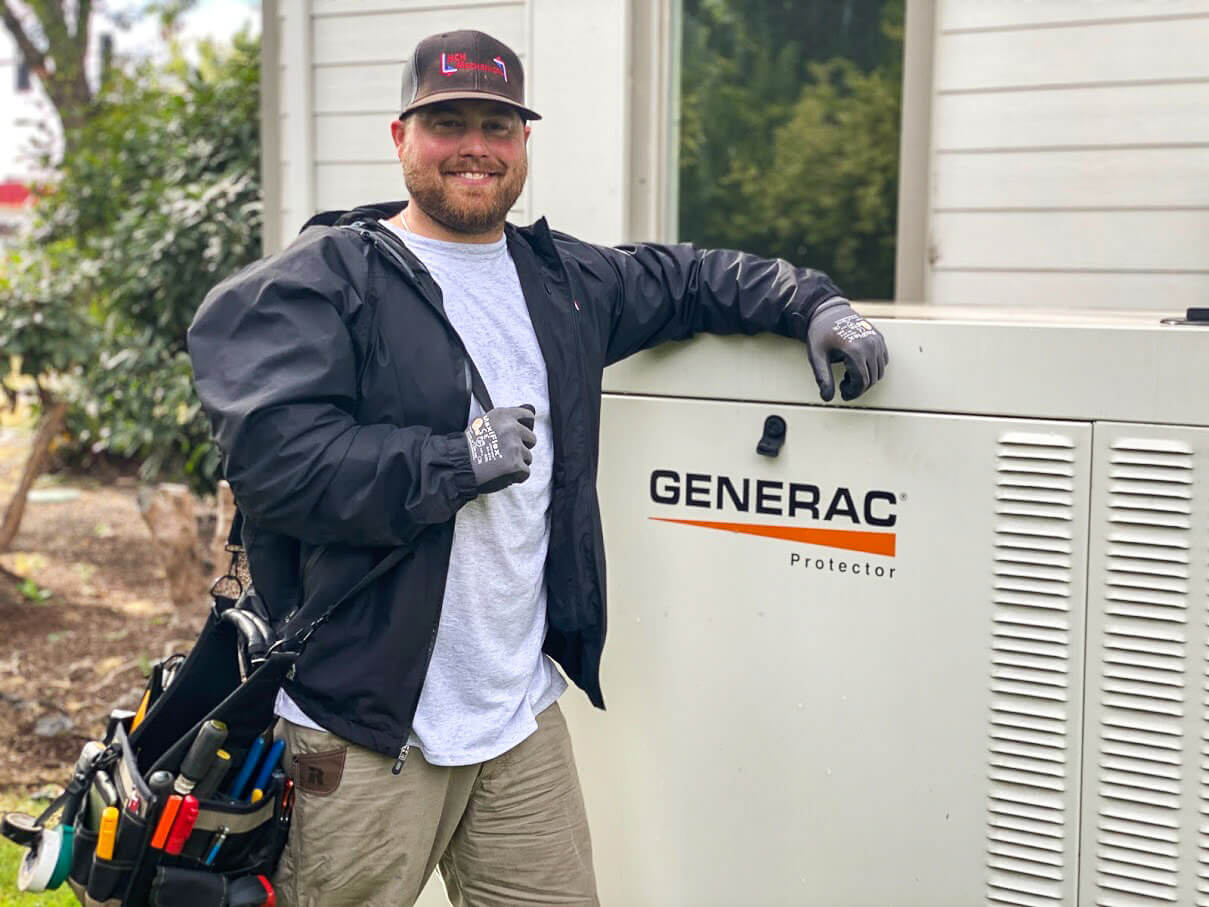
789	133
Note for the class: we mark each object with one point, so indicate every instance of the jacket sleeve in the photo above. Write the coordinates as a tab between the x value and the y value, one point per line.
671	292
275	368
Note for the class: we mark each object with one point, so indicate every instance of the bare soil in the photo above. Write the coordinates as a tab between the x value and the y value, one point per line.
84	611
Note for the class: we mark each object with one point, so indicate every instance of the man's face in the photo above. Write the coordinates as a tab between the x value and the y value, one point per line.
464	162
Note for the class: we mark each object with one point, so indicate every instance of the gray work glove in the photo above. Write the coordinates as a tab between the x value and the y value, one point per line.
836	333
501	444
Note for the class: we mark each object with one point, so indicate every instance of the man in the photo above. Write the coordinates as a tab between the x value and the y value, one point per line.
427	376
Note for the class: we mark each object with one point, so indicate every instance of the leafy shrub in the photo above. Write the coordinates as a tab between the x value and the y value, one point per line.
158	201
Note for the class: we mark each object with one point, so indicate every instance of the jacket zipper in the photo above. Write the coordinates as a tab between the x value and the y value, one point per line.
311	560
406	747
378	242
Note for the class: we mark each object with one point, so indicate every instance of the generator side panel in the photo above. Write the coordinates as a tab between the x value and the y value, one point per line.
1146	749
850	674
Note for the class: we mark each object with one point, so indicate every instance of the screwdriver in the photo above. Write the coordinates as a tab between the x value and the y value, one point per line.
200	756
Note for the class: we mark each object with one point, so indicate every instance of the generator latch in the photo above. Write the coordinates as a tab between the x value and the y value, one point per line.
1196	316
773	437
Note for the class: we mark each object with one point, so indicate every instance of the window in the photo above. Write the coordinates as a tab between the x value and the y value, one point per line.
789	133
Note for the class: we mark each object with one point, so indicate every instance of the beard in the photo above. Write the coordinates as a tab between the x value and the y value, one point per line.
475	212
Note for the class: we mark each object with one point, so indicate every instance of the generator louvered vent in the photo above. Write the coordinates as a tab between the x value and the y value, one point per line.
1202	875
1030	717
1142	682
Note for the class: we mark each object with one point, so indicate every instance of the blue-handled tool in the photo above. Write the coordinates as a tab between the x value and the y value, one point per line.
235	791
266	767
216	844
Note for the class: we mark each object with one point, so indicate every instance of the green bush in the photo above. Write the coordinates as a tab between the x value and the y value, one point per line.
158	201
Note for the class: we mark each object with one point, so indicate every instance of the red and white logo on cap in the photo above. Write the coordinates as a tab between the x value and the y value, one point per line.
451	63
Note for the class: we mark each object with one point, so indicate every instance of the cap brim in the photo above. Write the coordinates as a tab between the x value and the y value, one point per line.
440	96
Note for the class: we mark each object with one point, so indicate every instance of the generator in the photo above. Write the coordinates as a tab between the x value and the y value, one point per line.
945	645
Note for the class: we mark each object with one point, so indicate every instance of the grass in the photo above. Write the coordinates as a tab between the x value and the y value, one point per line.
10	860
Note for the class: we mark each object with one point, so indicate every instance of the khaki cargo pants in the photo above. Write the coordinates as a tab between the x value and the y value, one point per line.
508	831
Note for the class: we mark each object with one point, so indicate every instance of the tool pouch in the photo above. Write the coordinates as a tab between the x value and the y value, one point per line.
231	675
209	685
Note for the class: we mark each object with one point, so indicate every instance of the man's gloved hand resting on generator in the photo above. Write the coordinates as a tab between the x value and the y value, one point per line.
501	443
837	333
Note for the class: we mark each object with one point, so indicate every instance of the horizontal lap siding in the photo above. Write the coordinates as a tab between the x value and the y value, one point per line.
388	37
370	88
1119	52
1167	293
1134	241
1070	159
956	15
1109	116
1088	180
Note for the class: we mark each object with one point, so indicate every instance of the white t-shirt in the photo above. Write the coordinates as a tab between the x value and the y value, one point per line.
488	678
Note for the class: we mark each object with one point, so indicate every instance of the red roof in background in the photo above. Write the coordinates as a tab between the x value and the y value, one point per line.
14	194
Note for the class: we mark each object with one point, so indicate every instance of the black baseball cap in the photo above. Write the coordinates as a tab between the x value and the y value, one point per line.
457	65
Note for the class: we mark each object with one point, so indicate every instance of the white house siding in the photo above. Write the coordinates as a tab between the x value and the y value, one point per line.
1070	153
341	71
24	115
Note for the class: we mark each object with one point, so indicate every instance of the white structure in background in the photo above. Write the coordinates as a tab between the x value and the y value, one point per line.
29	125
24	110
1053	154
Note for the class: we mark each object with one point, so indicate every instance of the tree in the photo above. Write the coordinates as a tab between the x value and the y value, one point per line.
52	37
41	325
37	325
159	204
178	145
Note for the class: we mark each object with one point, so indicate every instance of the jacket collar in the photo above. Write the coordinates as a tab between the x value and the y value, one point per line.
539	239
537	236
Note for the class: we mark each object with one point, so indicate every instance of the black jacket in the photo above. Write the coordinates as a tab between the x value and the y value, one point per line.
339	395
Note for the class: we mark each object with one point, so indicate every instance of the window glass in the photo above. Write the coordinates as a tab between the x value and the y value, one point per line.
789	132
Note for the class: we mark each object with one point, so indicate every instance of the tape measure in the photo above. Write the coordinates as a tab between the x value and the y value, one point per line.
48	860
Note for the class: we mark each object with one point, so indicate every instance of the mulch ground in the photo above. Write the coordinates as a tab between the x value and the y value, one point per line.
84	611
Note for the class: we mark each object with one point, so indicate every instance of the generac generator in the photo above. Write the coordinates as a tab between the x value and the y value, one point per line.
945	646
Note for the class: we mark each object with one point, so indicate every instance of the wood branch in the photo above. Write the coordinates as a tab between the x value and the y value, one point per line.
53	19
83	17
225	506
34	58
169	513
45	398
52	423
61	66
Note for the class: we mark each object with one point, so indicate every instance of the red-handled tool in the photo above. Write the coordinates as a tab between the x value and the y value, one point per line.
183	825
167	817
